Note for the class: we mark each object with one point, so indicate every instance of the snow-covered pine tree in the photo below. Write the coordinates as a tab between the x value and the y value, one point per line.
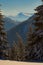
3	39
37	36
39	32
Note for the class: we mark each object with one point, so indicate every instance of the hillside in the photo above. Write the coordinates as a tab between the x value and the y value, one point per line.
22	29
9	23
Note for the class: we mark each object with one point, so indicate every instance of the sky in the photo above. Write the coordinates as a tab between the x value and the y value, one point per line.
13	7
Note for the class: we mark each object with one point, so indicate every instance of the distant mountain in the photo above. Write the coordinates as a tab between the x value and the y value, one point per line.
20	17
22	29
9	23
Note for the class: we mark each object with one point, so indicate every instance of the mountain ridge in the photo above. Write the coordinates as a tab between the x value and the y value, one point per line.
21	29
20	17
9	23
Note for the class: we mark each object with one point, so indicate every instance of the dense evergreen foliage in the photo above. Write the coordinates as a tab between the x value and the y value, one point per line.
32	50
3	40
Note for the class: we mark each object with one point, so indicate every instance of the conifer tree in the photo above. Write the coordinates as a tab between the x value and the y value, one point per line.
21	49
28	45
13	52
39	32
36	42
3	40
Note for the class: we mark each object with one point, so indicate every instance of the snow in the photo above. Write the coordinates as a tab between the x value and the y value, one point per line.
17	63
40	32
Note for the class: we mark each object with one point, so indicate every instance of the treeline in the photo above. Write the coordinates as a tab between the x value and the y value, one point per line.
32	50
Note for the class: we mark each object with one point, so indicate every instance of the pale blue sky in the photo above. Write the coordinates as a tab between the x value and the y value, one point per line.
12	7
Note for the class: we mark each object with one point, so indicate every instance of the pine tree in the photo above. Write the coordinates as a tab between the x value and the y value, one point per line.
36	38
13	52
3	40
39	32
29	35
37	47
29	42
21	49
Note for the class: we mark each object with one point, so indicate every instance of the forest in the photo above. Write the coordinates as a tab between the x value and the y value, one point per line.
32	50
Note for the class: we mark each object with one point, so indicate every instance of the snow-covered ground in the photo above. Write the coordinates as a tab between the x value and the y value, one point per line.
18	63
